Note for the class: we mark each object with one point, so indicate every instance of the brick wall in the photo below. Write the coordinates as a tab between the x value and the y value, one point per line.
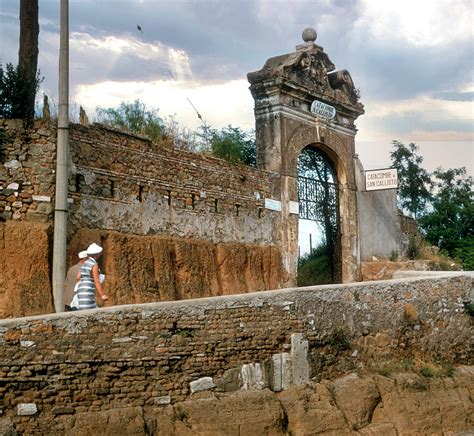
147	355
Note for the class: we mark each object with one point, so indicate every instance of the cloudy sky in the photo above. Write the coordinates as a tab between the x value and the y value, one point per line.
411	59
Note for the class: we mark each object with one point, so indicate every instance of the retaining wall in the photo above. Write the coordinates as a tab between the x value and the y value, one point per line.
151	355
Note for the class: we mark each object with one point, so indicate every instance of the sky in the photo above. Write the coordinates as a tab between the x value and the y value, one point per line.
411	60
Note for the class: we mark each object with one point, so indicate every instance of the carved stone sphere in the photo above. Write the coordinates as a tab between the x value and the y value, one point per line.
309	34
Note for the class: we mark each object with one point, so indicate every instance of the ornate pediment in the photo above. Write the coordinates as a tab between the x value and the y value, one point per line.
310	69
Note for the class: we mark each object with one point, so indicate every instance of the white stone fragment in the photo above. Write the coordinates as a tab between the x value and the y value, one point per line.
13	186
252	376
26	409
201	384
25	343
13	164
44	198
163	400
121	340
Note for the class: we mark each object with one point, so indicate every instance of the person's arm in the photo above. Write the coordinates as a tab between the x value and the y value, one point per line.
98	286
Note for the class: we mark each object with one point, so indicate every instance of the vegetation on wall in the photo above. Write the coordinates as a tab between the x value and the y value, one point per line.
229	143
134	118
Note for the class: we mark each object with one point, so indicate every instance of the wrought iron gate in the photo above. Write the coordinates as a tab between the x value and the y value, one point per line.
318	201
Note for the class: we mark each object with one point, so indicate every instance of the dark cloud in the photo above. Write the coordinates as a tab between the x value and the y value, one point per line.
225	39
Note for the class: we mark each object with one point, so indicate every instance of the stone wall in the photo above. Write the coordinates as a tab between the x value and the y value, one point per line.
147	356
175	224
125	183
27	166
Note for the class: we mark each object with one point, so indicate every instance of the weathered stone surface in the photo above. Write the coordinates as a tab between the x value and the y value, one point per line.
242	413
24	269
356	398
120	421
382	270
202	384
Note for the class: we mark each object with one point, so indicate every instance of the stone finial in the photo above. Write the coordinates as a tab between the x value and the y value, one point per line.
46	111
83	118
309	35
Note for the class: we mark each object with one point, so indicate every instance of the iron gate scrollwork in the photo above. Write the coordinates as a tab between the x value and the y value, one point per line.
318	201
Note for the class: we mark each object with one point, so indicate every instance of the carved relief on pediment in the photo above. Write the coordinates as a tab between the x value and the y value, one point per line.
312	68
341	82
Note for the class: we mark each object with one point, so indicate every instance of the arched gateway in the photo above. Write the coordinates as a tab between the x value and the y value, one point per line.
301	102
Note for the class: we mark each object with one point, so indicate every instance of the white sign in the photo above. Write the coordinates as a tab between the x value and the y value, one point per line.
381	179
272	204
294	207
323	110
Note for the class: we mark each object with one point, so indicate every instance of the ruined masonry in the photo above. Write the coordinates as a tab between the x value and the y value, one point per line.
178	225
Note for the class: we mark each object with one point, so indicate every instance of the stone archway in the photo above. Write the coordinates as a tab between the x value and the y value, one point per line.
286	90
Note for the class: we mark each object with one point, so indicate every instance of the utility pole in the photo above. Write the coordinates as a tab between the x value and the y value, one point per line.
62	156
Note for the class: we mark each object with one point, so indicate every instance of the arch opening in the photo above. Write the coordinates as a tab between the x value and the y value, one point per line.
319	248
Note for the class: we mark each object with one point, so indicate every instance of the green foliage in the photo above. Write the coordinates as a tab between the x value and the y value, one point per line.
449	224
413	250
230	143
340	338
3	141
393	256
16	91
315	268
427	371
469	308
413	181
135	118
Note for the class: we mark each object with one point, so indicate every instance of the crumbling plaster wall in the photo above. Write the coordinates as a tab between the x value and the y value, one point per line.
160	353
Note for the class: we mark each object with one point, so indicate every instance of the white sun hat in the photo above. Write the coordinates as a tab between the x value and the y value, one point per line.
94	249
82	254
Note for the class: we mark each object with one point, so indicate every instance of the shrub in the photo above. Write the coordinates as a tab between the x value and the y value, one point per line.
15	93
413	250
315	268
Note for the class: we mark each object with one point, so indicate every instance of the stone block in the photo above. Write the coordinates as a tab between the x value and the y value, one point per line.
202	384
161	401
252	376
63	410
299	359
26	409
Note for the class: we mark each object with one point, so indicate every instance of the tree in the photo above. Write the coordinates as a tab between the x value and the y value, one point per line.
28	54
135	118
414	182
449	223
15	93
230	143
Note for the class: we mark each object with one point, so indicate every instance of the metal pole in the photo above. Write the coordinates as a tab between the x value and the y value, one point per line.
60	206
310	243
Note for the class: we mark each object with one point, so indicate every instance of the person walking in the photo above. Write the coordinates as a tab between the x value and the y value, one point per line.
89	279
71	280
